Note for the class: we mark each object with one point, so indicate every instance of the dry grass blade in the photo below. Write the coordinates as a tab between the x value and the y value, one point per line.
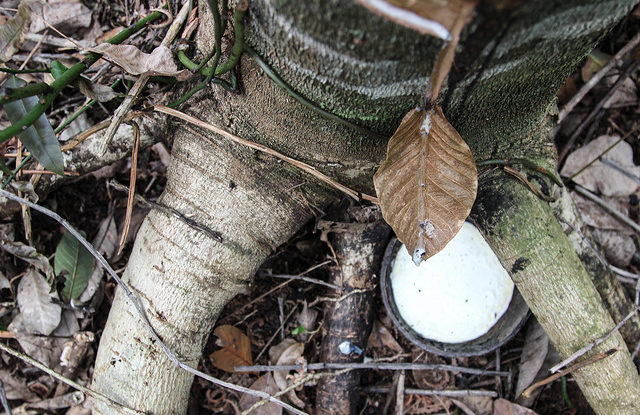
303	166
427	184
132	186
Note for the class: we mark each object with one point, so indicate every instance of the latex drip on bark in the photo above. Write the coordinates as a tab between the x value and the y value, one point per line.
359	245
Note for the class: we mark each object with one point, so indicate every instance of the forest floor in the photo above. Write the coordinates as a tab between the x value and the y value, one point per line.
276	311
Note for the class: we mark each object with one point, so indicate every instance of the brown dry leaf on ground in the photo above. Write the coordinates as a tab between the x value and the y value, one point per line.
236	349
67	16
264	384
135	62
613	236
287	352
600	177
13	31
40	315
534	353
381	337
427	184
504	407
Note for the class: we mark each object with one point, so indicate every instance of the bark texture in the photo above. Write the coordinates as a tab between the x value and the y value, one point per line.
530	242
370	71
359	245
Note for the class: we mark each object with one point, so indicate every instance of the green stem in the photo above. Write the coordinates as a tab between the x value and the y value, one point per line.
68	77
15	171
226	85
25	91
19	71
218	30
524	162
304	101
565	392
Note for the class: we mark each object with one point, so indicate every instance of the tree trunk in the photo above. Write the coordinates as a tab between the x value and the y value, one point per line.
359	244
371	72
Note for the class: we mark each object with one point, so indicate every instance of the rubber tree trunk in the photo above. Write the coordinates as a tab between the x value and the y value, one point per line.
370	71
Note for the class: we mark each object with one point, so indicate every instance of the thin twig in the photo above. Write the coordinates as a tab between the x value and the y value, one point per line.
294	385
527	392
623	272
133	174
169	211
593	344
400	394
372	365
586	166
275	334
300	277
140	309
3	399
303	166
433	392
89	392
565	150
515	173
304	101
621	169
593	81
613	211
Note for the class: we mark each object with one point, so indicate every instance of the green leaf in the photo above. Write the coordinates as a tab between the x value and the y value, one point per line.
298	330
12	33
39	138
76	262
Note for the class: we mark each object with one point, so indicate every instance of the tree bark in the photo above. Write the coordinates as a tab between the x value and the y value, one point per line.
371	72
359	244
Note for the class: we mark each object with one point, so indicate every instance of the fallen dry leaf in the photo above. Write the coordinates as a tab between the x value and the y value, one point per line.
504	407
263	384
28	254
13	31
236	349
136	62
431	17
594	62
40	314
480	405
66	16
534	353
427	184
287	352
599	177
307	317
381	337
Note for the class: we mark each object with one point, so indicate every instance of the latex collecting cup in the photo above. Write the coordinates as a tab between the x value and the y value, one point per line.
459	302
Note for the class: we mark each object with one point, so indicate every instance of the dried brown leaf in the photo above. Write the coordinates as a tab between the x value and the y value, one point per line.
13	31
67	16
427	184
135	62
307	317
431	17
381	337
534	353
236	349
41	315
286	353
504	407
264	384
